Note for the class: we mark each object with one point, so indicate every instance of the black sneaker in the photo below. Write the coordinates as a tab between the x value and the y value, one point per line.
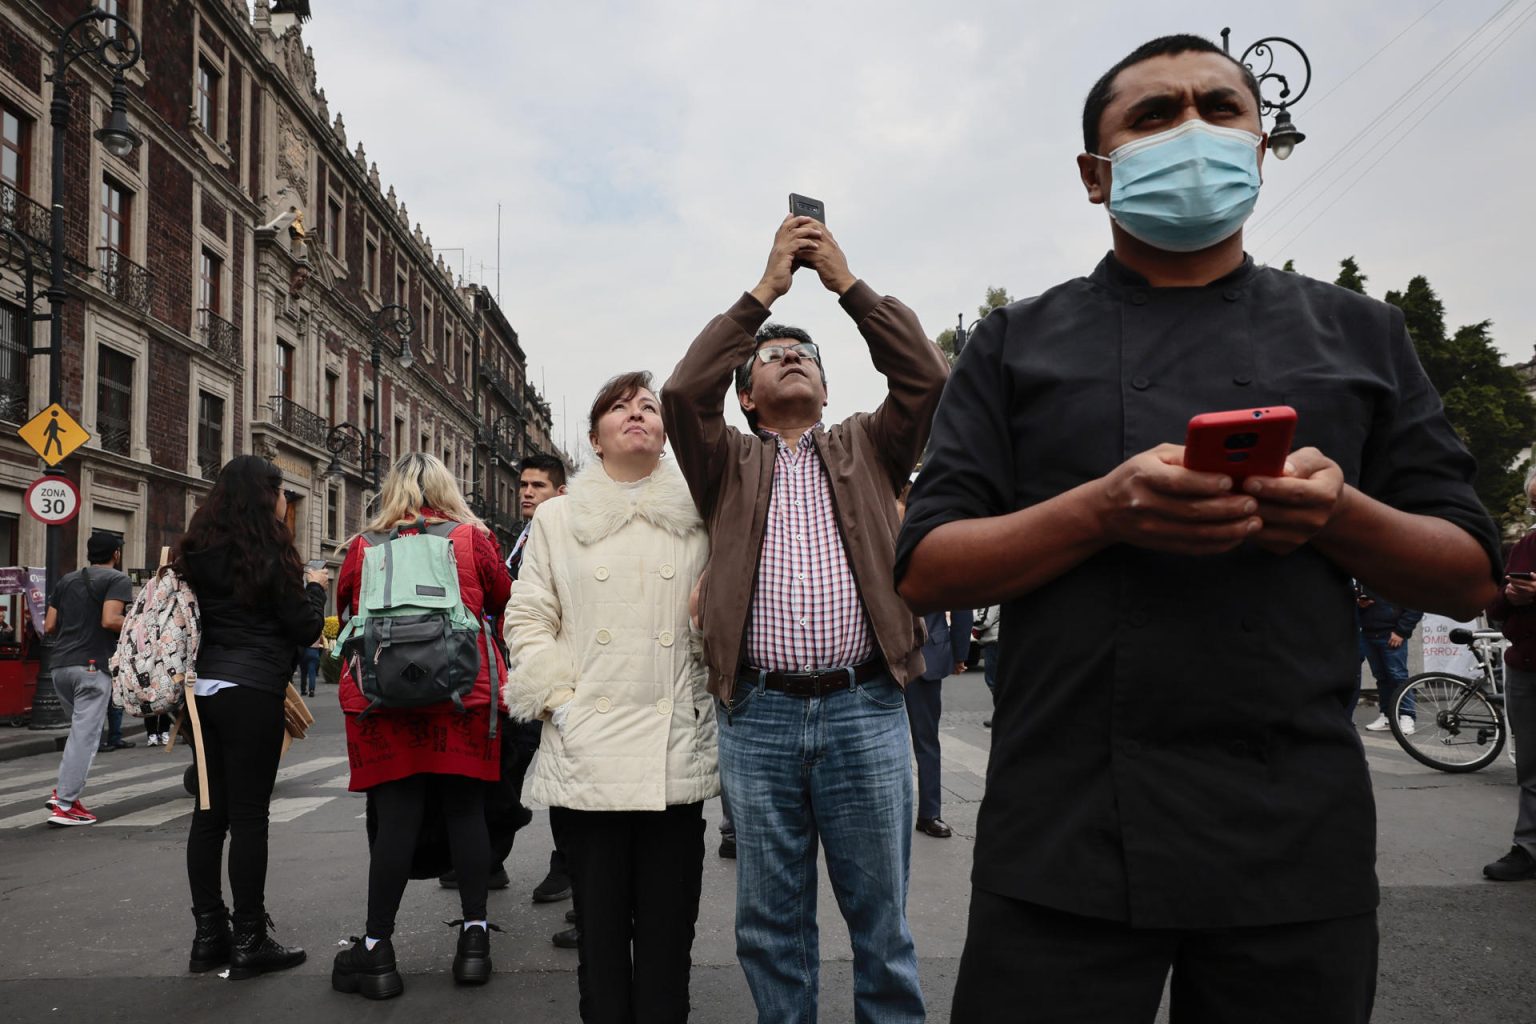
1515	866
728	847
570	916
568	939
472	959
370	973
555	887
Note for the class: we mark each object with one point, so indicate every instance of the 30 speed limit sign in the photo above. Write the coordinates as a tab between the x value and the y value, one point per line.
53	500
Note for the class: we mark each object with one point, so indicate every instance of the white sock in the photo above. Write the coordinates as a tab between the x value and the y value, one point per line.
370	942
473	924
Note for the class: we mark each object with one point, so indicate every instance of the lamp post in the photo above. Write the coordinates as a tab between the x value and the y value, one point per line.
344	436
396	318
1284	136
962	332
111	42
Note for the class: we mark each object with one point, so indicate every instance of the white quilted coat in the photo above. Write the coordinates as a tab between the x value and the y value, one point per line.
599	616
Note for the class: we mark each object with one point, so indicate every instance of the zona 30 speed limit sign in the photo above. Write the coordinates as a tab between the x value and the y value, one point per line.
53	500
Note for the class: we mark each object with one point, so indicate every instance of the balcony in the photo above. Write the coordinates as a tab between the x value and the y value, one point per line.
298	422
503	387
125	280
220	337
26	217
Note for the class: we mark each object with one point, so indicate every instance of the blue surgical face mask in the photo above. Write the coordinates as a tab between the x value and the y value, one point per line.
1187	188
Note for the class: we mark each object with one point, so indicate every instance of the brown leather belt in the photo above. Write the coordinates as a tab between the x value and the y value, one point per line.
815	684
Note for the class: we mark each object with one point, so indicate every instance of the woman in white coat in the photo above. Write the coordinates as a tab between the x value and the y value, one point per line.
598	634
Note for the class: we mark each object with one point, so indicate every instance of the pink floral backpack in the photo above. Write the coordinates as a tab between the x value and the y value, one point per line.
156	655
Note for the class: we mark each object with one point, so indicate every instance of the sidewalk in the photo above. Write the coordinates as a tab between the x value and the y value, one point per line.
15	743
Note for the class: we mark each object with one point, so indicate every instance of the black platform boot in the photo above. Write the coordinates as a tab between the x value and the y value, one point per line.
254	952
472	960
210	946
369	973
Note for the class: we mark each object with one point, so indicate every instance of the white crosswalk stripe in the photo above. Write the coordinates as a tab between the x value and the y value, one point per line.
162	778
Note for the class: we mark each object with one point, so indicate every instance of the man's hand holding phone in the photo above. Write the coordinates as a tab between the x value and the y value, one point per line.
1297	506
1152	501
1520	588
830	264
797	238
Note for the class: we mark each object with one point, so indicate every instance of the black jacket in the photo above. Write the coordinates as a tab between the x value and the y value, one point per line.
1384	617
255	647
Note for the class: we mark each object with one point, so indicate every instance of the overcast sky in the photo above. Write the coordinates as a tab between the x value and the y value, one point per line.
642	153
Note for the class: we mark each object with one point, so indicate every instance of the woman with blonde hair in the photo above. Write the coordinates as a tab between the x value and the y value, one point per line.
440	755
599	637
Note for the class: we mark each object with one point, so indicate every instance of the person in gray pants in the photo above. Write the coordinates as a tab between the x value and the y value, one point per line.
85	614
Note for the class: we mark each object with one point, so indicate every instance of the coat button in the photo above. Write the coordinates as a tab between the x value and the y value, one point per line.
666	638
1140	383
664	706
601	573
1242	380
603	636
1231	294
603	705
667	572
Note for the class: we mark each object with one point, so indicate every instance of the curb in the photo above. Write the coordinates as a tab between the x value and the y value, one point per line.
12	748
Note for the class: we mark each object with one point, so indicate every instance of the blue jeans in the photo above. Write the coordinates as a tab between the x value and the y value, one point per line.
835	770
309	665
989	666
1390	667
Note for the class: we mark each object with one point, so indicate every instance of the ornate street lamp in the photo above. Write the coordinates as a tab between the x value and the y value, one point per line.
393	319
1284	136
109	41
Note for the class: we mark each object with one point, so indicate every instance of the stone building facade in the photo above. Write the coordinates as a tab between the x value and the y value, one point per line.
226	277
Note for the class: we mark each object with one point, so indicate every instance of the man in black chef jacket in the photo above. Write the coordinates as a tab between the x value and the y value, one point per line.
1173	784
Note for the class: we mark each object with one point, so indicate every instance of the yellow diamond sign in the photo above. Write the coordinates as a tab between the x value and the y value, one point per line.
53	434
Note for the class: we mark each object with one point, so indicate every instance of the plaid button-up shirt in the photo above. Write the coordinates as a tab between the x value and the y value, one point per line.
806	613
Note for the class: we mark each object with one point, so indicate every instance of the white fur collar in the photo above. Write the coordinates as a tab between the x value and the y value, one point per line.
599	507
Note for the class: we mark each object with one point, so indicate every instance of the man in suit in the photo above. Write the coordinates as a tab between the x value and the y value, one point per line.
949	641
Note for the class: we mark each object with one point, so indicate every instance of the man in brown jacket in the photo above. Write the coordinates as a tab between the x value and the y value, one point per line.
806	641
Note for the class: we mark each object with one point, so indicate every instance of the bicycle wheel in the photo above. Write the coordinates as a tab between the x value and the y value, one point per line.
1455	727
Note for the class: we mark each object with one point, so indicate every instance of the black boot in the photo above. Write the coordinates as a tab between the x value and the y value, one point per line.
472	960
210	946
254	952
370	973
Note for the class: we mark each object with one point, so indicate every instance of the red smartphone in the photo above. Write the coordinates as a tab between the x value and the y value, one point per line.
1242	442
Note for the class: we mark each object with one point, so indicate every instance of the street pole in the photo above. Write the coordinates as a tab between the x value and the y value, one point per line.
120	139
403	325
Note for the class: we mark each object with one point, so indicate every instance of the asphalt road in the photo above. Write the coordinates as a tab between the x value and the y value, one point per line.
94	924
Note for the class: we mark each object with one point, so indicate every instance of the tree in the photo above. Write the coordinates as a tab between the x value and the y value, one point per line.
1290	267
1485	400
996	297
1350	276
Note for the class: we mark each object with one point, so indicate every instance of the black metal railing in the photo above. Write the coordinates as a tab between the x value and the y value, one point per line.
125	280
209	464
219	336
115	435
14	395
502	386
26	217
299	422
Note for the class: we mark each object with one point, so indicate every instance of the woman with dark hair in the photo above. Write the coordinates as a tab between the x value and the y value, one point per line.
598	631
257	605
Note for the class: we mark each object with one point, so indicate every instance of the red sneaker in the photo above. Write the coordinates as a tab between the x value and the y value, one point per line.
74	814
53	802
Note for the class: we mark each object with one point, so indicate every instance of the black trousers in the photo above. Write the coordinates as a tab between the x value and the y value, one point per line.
399	807
1025	962
635	878
242	741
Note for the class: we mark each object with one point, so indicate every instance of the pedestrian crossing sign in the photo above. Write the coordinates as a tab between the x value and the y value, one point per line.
53	434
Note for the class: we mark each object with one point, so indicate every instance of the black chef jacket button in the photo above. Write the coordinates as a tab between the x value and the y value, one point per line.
1242	380
1231	294
1140	383
1139	298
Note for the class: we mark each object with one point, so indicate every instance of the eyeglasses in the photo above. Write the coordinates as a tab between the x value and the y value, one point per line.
774	353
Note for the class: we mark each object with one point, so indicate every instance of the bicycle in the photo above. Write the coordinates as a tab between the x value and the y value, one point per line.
1458	723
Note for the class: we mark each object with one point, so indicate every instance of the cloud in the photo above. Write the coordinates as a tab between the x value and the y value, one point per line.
642	154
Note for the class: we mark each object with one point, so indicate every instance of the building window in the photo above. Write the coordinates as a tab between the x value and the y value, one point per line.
114	400
371	267
399	449
426	329
285	369
333	226
450	357
210	272
15	138
368	421
14	338
402	289
332	382
210	434
332	511
208	98
116	209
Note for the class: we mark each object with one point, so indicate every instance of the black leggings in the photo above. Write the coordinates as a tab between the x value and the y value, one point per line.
154	725
242	740
399	807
